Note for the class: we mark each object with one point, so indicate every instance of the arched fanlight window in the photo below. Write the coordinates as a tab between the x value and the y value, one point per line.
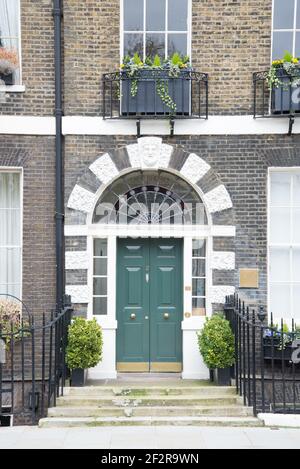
150	198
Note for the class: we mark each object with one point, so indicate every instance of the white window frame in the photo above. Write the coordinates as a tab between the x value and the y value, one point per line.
17	88
294	30
288	245
166	32
12	169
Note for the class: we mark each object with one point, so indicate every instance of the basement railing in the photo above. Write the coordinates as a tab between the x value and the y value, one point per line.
33	369
154	94
267	366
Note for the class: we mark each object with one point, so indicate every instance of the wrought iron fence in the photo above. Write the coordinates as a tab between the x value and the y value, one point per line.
154	94
33	369
267	367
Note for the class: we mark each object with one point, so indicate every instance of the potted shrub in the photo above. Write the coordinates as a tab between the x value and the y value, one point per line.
278	343
84	349
216	345
155	86
284	83
9	63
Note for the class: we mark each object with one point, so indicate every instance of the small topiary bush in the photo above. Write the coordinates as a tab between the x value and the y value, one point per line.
85	343
216	343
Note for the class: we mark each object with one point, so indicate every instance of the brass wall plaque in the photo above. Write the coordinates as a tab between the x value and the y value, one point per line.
188	288
249	278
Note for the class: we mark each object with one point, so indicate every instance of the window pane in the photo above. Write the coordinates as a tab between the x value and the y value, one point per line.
9	190
198	268
296	266
297	46
133	43
10	265
280	225
298	16
155	44
296	186
279	265
133	15
296	225
100	286
280	301
10	227
280	189
284	14
198	287
198	306
100	267
296	303
156	15
282	41
100	306
199	247
177	43
178	13
100	247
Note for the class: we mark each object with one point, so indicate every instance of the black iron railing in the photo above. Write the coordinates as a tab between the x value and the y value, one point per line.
282	101
155	94
33	369
267	367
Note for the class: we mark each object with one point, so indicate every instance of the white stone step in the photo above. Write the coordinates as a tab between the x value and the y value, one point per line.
165	411
151	421
156	401
138	391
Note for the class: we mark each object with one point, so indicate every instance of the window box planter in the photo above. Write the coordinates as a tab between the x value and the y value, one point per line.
147	102
272	350
78	377
8	79
222	376
285	97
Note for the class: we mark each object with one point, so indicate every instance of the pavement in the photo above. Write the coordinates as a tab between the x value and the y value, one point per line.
149	438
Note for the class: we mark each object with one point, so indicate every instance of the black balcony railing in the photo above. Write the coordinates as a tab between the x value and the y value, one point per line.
280	101
155	94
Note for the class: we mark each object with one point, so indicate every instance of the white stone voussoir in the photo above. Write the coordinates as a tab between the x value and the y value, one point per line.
79	293
149	153
223	260
219	293
194	168
76	260
218	199
81	199
104	168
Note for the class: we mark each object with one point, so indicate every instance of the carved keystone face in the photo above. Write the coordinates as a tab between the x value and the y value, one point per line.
150	149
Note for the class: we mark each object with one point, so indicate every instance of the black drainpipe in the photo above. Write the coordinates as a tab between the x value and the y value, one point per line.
59	194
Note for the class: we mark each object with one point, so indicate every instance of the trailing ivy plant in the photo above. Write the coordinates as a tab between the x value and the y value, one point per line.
216	343
85	343
290	65
132	66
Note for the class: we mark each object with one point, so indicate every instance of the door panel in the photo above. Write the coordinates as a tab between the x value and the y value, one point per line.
132	305
166	304
149	305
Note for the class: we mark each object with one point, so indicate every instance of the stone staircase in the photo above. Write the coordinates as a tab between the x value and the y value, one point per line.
198	404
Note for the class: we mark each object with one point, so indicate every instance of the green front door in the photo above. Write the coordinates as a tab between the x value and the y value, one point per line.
149	305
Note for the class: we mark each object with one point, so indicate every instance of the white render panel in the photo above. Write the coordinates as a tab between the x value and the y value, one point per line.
218	199
218	293
194	168
223	260
81	199
104	168
76	260
79	293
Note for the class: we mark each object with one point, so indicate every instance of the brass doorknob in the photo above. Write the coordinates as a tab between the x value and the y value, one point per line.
166	315
132	316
